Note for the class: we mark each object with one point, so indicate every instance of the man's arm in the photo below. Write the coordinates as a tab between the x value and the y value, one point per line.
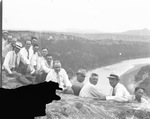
66	79
23	57
6	63
44	67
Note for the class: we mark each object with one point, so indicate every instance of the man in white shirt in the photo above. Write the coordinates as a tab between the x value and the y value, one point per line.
4	39
11	65
35	60
46	67
9	47
26	54
89	89
138	96
77	84
60	76
118	91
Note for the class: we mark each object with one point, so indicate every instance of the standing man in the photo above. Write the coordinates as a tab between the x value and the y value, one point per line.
78	83
118	91
10	46
59	75
89	89
4	39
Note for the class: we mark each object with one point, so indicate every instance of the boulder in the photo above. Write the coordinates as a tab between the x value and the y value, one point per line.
73	107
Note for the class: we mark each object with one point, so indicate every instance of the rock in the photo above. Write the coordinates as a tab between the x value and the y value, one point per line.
73	107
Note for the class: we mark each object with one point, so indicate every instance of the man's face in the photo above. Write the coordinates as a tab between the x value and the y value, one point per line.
28	44
80	77
113	82
49	58
34	41
17	50
57	67
94	80
36	48
13	42
5	36
139	93
9	39
44	52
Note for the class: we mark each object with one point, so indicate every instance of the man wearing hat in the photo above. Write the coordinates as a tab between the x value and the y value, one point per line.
11	64
118	91
77	84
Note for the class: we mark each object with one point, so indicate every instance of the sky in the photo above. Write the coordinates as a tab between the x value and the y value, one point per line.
76	15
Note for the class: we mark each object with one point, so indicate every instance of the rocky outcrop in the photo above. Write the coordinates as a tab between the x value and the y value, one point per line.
73	107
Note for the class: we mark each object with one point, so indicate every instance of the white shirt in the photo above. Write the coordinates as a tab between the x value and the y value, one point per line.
121	93
89	90
10	60
24	54
63	78
34	62
132	98
4	43
45	66
6	49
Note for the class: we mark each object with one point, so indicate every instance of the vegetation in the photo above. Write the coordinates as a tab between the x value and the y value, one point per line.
75	52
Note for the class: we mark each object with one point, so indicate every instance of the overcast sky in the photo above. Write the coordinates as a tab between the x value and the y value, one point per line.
76	15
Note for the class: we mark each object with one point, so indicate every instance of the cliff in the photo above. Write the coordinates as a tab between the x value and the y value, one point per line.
73	107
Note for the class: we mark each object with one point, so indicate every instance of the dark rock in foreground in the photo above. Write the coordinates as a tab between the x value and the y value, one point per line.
73	107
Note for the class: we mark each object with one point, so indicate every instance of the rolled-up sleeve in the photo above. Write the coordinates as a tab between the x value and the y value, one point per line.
66	79
6	63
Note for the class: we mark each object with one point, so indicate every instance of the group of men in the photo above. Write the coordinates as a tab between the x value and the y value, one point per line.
30	66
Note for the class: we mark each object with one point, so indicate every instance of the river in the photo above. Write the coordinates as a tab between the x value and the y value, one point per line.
118	68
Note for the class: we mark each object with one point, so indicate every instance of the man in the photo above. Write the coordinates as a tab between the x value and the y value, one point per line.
4	39
26	54
43	57
118	91
89	89
77	84
11	65
9	47
59	75
138	96
46	67
35	59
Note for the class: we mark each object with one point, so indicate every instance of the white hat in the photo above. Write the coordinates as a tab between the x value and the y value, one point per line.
18	45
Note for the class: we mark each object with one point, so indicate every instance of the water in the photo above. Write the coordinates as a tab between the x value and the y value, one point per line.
119	69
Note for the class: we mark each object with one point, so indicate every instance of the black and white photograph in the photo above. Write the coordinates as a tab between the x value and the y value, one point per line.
75	59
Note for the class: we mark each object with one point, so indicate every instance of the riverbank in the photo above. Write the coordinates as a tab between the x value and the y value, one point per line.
119	69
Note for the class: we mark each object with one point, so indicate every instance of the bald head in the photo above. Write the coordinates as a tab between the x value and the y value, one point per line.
57	66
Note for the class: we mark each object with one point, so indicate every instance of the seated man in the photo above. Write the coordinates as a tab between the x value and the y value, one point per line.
89	89
59	75
11	65
138	96
77	84
45	68
118	91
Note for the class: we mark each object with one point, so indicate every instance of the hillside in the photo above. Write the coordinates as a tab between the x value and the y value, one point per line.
75	52
141	32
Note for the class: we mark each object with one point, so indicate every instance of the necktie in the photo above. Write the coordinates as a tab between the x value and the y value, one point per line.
58	79
28	54
16	64
113	92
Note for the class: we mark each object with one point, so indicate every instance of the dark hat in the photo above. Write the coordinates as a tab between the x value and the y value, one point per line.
113	76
